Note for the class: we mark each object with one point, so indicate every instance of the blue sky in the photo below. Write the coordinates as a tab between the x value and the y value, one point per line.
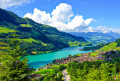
106	13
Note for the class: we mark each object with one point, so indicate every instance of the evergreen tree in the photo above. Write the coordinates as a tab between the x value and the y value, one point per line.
13	65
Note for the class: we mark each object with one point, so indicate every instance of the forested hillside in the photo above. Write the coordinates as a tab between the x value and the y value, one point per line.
35	37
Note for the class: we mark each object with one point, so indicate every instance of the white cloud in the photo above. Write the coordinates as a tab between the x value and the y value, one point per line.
39	16
79	23
62	18
9	3
62	13
88	21
102	29
105	29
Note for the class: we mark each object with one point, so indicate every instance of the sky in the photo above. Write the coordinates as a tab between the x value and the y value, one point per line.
70	15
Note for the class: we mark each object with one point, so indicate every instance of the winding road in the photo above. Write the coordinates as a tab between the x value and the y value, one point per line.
66	77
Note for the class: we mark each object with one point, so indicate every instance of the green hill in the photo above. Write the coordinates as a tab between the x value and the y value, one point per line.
107	47
37	38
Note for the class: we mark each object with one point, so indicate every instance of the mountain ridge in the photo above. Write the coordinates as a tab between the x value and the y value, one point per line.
37	38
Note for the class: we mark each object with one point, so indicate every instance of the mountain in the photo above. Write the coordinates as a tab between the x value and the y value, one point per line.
37	38
97	37
115	35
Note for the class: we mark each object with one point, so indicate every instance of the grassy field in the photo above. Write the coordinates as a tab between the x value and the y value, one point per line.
109	47
46	26
30	40
43	71
25	25
6	30
75	43
44	44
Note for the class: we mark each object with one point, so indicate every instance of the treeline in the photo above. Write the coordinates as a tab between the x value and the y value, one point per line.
93	48
94	71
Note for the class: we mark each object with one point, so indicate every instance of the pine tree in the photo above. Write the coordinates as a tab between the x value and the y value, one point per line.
13	65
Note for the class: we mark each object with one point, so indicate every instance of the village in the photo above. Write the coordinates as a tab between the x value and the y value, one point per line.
107	56
104	56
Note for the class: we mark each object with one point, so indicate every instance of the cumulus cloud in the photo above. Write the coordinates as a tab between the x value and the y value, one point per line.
39	16
79	23
102	29
62	18
9	3
62	13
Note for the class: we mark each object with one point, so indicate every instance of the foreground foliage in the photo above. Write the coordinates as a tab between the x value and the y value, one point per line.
12	68
94	71
52	74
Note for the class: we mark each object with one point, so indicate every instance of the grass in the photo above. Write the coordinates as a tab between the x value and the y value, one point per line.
57	66
46	26
79	55
25	25
42	52
44	30
84	44
94	54
54	66
43	71
3	46
6	30
34	52
44	44
109	47
30	40
75	43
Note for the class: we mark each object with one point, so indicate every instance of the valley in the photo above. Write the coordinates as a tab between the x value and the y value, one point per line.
50	40
37	38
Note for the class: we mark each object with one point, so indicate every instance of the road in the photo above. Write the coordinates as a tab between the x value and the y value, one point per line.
66	77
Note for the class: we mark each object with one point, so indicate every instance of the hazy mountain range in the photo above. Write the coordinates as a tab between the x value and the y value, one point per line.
97	37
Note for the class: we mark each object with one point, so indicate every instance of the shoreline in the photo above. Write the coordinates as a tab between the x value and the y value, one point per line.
49	57
60	49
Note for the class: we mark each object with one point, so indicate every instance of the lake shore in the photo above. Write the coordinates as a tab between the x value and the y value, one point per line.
40	60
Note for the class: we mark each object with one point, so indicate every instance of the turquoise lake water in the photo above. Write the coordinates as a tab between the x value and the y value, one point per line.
40	60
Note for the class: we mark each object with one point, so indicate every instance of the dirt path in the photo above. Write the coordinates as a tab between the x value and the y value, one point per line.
66	77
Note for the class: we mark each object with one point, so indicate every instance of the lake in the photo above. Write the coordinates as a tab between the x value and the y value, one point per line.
39	60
